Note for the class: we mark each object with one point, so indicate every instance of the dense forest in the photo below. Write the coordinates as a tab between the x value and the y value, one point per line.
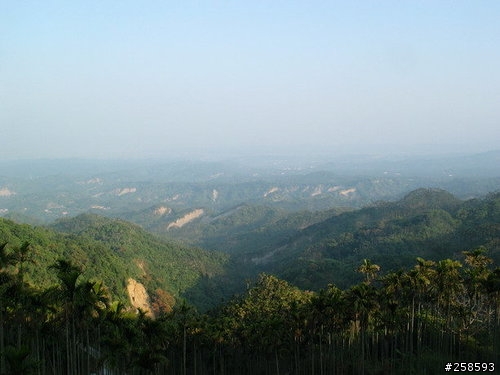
313	249
407	321
419	287
115	251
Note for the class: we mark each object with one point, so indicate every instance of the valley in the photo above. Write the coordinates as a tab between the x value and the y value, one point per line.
237	270
249	187
42	191
310	223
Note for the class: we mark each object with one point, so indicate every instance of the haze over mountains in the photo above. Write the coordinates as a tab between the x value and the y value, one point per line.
113	188
309	221
249	187
278	265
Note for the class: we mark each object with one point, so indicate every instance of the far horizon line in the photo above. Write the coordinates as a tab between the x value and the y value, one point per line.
227	155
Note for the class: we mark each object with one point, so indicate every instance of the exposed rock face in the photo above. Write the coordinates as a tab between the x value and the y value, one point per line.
318	190
270	191
179	223
162	210
139	297
124	191
215	195
5	192
347	192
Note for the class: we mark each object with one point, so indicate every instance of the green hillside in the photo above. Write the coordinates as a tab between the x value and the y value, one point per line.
308	249
426	223
312	249
417	286
246	230
114	251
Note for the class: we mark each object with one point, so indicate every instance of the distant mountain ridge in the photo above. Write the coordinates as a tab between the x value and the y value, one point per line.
312	249
428	223
41	191
307	248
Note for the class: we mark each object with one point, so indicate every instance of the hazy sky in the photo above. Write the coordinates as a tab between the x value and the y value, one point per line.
153	78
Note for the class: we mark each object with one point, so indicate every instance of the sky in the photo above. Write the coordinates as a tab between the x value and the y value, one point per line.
142	79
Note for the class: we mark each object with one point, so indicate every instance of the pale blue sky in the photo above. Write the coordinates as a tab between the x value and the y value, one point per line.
153	78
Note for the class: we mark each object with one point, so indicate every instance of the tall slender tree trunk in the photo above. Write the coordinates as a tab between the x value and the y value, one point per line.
277	361
312	358
213	361
68	351
2	341
321	351
88	351
412	327
221	361
194	357
296	355
184	350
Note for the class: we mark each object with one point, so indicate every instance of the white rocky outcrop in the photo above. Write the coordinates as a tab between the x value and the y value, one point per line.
179	223
139	297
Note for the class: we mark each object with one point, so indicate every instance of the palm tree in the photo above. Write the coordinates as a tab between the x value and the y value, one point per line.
183	319
369	269
5	283
65	293
419	289
90	301
475	299
116	340
363	301
326	318
13	292
448	285
22	255
6	260
394	312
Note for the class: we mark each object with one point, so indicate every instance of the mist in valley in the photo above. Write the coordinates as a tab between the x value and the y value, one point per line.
249	187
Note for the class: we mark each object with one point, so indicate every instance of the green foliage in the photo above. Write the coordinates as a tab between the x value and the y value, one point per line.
426	223
305	248
409	321
19	361
112	251
312	249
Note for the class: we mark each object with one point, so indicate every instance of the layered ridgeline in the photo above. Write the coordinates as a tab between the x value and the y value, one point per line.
152	193
308	249
412	321
427	223
137	267
312	249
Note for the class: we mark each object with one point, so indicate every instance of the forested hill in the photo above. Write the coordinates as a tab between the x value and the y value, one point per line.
426	223
428	293
310	250
119	253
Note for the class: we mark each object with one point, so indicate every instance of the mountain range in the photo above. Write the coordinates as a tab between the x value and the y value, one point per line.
209	259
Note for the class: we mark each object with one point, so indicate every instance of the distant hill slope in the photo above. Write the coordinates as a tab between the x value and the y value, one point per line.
312	249
308	249
427	223
41	191
119	253
246	230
